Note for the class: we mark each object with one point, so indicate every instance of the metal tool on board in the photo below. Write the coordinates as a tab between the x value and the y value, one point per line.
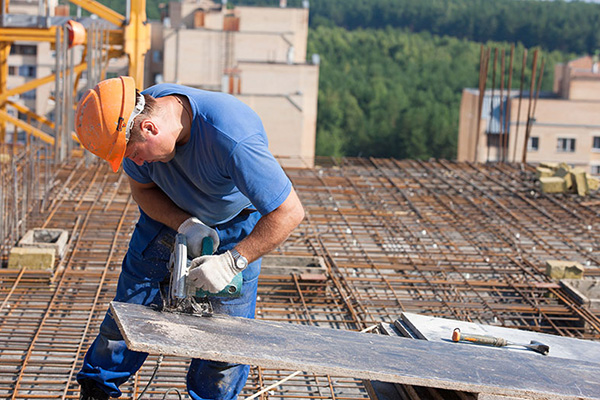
458	336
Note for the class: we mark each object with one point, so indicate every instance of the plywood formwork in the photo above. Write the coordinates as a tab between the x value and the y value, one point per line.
457	240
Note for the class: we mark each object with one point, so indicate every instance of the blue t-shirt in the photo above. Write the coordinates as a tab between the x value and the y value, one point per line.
225	166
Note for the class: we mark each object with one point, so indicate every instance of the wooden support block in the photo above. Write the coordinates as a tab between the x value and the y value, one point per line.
31	258
580	181
553	184
550	165
592	182
542	172
278	345
565	173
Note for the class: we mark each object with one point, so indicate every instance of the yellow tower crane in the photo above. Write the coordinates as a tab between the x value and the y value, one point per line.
131	37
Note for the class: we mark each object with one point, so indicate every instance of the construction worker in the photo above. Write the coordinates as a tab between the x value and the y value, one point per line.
197	164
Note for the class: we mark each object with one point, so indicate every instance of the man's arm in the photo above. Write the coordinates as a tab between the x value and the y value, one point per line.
213	273
272	229
157	204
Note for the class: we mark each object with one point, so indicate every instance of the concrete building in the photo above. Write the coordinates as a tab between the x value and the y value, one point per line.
257	54
565	127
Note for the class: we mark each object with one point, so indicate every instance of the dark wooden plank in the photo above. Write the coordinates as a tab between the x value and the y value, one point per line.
365	356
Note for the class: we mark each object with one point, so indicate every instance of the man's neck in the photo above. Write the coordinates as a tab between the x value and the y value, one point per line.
183	118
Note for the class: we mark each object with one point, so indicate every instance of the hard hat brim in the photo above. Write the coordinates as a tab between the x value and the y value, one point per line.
117	154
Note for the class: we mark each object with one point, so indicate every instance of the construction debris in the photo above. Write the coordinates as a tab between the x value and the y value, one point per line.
560	178
564	269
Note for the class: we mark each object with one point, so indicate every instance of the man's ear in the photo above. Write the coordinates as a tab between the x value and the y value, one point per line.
149	126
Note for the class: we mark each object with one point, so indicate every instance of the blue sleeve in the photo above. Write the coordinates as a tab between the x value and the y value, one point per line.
258	175
139	174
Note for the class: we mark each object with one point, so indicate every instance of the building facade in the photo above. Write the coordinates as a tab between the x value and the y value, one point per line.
565	126
257	54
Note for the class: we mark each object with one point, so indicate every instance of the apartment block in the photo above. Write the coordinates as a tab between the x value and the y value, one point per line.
257	54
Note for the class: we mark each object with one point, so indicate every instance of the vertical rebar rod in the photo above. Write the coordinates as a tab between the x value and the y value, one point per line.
490	123
65	93
508	102
90	55
15	213
3	19
519	104
58	109
502	109
530	106
483	68
3	220
69	97
537	92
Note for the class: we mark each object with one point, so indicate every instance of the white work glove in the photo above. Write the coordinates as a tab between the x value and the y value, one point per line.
212	273
195	231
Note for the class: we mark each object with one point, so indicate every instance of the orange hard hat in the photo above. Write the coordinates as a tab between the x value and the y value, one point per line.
105	116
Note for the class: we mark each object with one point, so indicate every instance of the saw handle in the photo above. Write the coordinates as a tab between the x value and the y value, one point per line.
233	289
207	246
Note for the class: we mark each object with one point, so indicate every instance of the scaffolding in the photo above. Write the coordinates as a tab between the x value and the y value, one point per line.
440	238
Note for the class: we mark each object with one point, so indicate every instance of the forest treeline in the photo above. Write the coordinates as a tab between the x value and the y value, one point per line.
392	71
552	25
393	93
570	26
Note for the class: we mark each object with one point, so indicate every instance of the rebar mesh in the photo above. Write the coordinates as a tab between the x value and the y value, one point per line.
456	240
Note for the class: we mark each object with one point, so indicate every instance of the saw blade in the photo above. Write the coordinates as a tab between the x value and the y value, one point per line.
191	305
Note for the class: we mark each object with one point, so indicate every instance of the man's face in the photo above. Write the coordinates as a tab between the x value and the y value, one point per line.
155	147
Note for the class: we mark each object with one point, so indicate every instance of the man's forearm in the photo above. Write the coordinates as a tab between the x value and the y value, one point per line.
159	206
272	229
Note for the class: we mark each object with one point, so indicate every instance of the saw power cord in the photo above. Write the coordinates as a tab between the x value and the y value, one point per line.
158	362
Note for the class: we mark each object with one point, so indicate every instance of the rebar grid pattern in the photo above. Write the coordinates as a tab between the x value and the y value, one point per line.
20	190
440	238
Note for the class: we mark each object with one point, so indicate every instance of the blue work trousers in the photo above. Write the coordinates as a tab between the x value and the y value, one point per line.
110	363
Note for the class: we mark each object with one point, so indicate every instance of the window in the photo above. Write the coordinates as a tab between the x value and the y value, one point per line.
156	56
565	145
12	70
29	95
27	71
23	49
534	143
595	169
596	144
